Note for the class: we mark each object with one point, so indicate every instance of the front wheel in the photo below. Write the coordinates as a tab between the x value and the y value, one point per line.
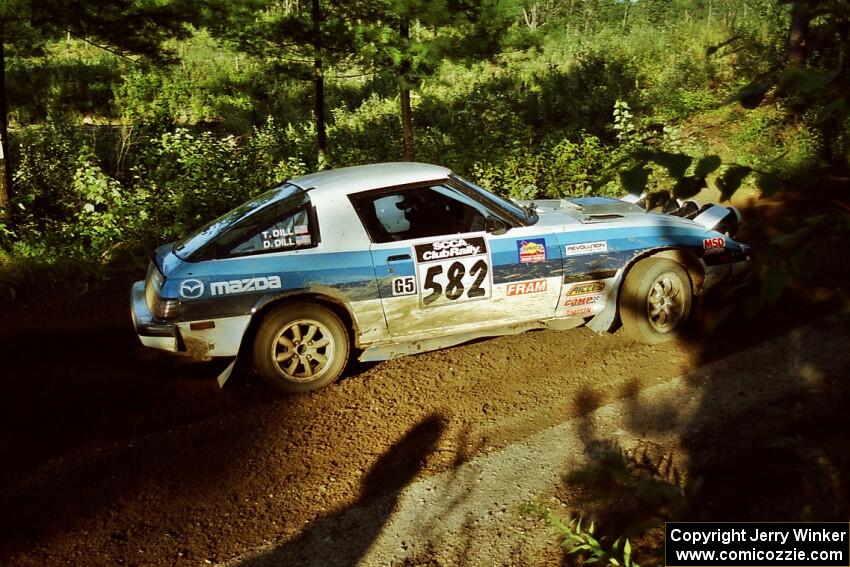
655	300
301	347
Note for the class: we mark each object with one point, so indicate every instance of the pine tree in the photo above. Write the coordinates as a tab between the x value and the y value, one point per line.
124	26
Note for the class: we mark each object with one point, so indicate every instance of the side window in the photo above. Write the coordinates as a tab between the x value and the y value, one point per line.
291	232
418	212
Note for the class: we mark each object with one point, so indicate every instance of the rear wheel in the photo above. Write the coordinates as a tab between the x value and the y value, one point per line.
655	300
301	347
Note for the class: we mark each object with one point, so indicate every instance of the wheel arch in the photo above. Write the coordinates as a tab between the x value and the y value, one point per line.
692	265
327	300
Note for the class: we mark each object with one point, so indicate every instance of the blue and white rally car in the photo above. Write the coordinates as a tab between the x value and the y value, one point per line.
398	258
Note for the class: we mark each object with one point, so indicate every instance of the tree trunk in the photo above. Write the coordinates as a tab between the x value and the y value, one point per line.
5	168
319	87
798	49
626	15
404	92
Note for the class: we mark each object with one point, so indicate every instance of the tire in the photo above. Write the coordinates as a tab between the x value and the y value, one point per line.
301	347
655	300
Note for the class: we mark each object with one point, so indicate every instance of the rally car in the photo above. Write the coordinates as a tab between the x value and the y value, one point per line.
391	259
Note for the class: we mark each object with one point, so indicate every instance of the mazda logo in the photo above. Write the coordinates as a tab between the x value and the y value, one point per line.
190	289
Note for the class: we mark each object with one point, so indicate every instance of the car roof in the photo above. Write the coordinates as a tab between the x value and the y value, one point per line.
347	180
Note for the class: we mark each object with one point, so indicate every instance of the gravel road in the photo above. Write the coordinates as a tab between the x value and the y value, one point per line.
119	455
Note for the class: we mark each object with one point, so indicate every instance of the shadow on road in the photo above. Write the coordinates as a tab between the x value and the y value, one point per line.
343	538
757	436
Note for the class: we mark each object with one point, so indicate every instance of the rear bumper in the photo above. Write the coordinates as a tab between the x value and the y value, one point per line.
151	333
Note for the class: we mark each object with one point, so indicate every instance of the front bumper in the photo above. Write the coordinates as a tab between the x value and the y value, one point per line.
152	333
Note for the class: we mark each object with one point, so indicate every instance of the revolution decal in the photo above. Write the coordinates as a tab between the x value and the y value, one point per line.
586	248
532	250
585	288
522	288
245	285
452	271
405	285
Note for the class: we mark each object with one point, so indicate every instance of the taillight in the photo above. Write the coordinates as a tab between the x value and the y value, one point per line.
159	308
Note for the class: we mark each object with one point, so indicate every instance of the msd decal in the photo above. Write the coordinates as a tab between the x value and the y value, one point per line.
712	245
246	285
522	288
531	250
586	248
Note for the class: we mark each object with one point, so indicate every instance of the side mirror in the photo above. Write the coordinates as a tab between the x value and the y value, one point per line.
496	226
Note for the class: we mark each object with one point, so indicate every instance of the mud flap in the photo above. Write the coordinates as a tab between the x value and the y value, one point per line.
225	374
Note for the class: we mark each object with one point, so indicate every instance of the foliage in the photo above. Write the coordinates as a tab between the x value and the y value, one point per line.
583	542
529	99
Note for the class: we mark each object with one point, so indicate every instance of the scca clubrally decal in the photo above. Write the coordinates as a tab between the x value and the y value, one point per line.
451	248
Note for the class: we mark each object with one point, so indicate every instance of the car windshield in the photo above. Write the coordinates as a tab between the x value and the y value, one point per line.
286	196
525	213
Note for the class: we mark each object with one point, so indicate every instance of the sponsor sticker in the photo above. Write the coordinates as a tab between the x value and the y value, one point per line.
452	248
579	311
586	248
453	270
531	250
522	288
584	288
245	285
191	289
405	285
586	300
713	245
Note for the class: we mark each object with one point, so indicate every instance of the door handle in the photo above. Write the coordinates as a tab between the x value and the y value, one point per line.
398	257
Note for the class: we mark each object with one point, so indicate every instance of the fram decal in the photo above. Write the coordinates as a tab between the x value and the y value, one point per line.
244	286
191	289
716	244
586	248
586	287
405	285
453	248
532	286
531	250
586	300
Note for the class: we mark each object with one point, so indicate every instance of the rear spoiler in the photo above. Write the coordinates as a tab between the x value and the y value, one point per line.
152	252
712	217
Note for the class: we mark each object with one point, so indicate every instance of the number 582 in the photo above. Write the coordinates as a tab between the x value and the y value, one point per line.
455	282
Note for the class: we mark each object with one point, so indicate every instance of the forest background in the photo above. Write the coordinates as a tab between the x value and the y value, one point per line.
133	121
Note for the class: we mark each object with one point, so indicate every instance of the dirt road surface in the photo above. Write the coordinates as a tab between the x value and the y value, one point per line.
118	455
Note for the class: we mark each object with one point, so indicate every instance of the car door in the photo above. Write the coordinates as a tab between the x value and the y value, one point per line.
439	270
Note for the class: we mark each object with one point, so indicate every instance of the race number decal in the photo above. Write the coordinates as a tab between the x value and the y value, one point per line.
454	270
404	286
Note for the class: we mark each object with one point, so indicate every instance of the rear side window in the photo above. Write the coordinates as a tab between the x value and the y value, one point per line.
291	232
282	219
